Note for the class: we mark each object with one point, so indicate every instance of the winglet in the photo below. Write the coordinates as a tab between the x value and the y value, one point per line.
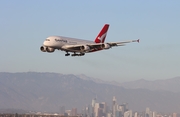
135	40
138	40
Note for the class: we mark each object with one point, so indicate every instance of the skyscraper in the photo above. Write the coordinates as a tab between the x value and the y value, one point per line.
103	106
93	107
135	114
62	109
147	114
174	114
125	106
154	114
114	107
96	108
93	102
128	113
122	108
74	112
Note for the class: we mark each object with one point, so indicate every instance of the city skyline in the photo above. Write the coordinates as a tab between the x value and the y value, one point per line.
47	91
102	109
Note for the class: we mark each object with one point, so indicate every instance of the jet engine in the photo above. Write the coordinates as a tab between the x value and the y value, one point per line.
48	49
85	48
105	46
43	49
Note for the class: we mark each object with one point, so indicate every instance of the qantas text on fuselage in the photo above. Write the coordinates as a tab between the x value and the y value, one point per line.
78	47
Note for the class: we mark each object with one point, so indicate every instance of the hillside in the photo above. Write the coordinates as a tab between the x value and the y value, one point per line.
49	91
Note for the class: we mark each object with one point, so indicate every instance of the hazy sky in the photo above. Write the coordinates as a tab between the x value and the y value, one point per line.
24	25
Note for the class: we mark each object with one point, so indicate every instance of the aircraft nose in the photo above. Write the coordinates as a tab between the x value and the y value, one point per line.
47	42
44	43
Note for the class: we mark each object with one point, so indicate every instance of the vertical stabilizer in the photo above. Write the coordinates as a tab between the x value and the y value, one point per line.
102	35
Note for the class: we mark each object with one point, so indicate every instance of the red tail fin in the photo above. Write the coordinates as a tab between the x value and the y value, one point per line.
102	35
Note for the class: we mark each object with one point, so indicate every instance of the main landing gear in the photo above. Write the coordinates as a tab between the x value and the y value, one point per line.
67	54
80	54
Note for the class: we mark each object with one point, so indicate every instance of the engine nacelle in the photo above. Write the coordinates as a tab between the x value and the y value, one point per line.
105	46
85	48
48	49
43	49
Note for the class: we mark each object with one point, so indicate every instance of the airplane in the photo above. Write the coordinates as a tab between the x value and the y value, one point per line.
78	47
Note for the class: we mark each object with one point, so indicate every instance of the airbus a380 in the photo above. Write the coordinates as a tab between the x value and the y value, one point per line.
79	47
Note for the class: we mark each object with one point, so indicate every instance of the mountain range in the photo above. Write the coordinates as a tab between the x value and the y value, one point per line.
36	91
172	84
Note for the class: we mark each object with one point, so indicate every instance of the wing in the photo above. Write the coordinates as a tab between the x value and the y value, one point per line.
122	43
94	46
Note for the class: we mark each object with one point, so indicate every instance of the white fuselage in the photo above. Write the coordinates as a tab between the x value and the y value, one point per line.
59	42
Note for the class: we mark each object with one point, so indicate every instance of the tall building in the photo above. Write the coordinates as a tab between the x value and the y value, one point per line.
100	109
93	107
93	102
174	114
125	106
154	114
147	113
62	109
103	106
90	111
68	112
114	107
100	112
128	113
96	107
74	112
135	114
121	108
150	114
118	113
109	115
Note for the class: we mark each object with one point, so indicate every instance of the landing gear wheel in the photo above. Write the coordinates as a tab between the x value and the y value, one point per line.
67	54
81	54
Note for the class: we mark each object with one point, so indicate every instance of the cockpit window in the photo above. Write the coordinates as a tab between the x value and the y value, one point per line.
47	40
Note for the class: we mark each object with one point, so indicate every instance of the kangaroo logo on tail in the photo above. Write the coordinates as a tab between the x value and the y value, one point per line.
102	35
